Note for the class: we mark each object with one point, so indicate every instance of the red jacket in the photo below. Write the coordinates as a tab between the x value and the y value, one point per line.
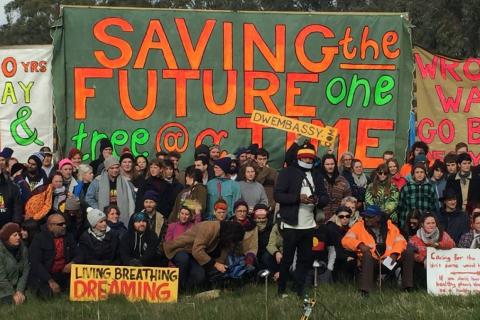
444	244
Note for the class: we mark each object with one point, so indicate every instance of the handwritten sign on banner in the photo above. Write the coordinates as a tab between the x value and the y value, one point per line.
455	271
95	283
325	136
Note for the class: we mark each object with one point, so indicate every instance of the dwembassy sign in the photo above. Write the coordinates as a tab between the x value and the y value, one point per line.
171	80
94	283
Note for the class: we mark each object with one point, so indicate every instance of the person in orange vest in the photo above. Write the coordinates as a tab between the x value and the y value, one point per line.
375	238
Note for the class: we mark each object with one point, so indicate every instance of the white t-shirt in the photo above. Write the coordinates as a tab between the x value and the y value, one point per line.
306	212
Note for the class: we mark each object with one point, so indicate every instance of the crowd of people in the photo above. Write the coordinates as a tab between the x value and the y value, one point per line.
227	216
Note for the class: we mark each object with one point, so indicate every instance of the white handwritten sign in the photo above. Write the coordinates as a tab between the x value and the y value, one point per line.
455	271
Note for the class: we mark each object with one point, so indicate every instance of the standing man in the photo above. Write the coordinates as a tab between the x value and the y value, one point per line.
51	254
465	184
202	164
337	186
266	176
34	175
221	187
106	150
47	166
300	192
111	188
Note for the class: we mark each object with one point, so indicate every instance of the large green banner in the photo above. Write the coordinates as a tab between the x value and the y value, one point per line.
171	79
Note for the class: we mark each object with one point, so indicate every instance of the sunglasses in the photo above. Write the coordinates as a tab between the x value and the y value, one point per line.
60	224
344	217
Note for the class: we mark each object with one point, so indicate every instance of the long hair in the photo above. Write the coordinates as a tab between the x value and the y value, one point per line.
376	181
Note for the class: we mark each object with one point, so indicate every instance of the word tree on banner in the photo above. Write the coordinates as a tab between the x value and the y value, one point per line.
170	80
95	283
26	105
448	99
454	271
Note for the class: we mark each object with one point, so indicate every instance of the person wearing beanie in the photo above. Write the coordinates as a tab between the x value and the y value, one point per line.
106	150
98	244
34	175
241	155
5	155
300	191
66	167
387	243
465	184
74	218
156	221
417	149
14	266
202	151
221	187
417	194
51	255
138	247
112	188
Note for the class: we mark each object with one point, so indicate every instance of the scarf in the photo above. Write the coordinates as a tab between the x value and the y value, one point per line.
360	180
125	200
428	238
59	195
476	241
248	224
464	177
99	235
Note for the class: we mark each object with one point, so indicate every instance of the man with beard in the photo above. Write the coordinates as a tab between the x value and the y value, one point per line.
106	150
300	191
202	164
138	247
112	188
34	175
51	254
337	186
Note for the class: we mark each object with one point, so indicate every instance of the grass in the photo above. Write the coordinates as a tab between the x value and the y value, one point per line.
247	303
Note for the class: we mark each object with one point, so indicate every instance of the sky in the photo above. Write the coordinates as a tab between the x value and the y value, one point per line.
3	19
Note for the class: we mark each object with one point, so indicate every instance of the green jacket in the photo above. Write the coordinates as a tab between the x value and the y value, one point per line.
13	273
388	204
275	242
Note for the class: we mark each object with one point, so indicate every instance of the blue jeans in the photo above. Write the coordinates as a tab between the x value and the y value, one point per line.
191	273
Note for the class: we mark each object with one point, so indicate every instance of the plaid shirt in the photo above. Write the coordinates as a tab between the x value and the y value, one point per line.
414	195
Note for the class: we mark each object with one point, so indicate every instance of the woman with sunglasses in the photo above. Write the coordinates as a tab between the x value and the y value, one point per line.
341	263
383	193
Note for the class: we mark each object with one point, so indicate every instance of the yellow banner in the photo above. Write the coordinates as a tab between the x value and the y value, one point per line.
326	136
448	97
95	283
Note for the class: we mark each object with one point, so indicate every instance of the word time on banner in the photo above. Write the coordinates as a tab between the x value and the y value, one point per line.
95	283
326	136
454	271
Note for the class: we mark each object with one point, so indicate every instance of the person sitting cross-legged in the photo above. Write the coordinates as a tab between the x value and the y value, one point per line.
376	238
138	247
